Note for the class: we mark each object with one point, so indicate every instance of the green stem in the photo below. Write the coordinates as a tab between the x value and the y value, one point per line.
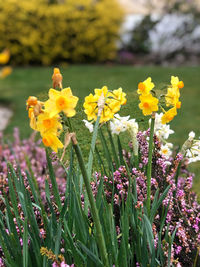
149	166
95	215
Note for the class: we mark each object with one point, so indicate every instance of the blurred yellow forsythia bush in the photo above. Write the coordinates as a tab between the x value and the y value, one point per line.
71	30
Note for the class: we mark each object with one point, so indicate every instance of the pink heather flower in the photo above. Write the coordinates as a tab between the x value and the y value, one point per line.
178	250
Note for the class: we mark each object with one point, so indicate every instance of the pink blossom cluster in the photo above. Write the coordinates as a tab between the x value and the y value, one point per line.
18	152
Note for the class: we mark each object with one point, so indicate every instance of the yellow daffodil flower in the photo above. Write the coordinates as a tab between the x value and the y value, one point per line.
113	105
145	87
90	106
172	96
169	115
176	83
106	115
46	124
173	93
4	56
120	96
113	101
52	141
32	119
61	101
148	104
34	108
104	89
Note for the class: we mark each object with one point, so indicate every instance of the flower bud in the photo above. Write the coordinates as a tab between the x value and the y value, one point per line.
57	78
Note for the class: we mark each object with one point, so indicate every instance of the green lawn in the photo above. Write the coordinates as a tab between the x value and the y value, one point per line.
16	88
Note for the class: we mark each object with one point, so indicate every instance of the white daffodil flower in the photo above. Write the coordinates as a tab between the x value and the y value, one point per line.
166	150
121	124
117	127
118	124
164	131
161	130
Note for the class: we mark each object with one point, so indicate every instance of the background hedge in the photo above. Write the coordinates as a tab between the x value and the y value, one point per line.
38	32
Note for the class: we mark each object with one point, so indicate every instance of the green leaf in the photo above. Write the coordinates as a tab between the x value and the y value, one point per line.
13	199
100	161
79	258
90	254
156	203
92	147
149	233
58	239
54	183
25	244
7	256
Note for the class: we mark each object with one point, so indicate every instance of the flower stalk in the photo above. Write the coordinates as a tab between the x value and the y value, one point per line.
149	166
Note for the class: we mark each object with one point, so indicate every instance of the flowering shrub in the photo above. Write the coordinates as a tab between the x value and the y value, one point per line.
183	37
171	36
139	200
75	31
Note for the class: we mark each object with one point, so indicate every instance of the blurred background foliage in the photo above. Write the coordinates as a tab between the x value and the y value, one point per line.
164	32
46	32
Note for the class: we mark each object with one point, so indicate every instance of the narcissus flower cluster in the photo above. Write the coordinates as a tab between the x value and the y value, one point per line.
149	103
45	116
172	99
112	101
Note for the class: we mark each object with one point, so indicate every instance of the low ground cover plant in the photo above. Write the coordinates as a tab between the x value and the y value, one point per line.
134	208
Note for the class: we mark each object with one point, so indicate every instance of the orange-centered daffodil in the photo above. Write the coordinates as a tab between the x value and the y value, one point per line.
52	141
169	115
61	101
148	104
47	124
145	87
